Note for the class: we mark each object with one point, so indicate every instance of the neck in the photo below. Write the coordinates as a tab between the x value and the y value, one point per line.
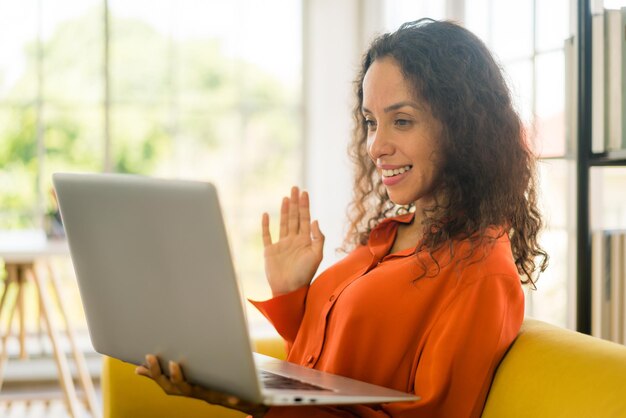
419	216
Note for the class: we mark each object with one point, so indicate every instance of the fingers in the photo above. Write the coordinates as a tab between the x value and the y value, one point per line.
152	369
177	379
305	215
148	369
157	375
317	236
177	385
316	231
295	217
265	230
142	371
284	214
174	385
294	209
153	366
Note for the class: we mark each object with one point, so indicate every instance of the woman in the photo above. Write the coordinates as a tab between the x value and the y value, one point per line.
444	223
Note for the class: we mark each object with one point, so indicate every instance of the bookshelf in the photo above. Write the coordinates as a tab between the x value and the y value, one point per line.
586	159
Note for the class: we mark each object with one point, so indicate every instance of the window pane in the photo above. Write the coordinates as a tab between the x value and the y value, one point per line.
399	11
552	24
550	301
207	145
18	159
73	139
614	4
205	76
139	137
519	76
139	51
271	41
554	179
608	206
72	47
18	40
512	29
477	19
18	120
550	104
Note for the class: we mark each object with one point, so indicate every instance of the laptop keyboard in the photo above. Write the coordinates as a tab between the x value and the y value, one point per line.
275	381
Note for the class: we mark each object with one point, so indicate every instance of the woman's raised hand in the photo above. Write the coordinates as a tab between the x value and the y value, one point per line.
291	262
176	384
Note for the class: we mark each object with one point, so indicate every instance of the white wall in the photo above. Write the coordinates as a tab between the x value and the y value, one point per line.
335	36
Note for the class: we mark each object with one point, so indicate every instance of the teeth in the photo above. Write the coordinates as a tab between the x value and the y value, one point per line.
395	172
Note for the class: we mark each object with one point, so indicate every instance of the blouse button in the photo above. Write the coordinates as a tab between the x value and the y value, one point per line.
331	298
310	359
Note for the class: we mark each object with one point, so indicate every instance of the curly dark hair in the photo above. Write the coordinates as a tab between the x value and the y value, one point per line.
488	174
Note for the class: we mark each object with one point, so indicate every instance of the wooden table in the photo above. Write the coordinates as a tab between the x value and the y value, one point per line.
26	256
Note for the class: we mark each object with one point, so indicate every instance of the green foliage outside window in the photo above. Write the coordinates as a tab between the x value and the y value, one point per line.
166	96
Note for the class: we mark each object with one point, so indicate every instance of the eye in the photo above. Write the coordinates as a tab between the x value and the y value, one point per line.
402	122
370	124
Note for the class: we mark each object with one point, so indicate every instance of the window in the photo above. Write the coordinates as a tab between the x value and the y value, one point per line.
206	90
397	12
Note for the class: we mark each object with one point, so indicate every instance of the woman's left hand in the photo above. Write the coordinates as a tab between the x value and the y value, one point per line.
177	385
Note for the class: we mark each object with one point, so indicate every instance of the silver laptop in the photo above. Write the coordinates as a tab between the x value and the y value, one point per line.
155	275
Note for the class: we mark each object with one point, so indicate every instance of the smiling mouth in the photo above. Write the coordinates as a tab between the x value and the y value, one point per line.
396	172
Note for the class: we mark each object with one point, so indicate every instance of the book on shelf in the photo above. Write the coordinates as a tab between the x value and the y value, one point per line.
622	297
598	131
571	97
608	285
615	78
616	281
599	318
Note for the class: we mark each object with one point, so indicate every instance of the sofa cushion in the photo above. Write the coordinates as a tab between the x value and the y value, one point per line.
552	372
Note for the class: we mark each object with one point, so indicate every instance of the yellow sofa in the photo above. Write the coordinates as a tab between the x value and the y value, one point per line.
548	372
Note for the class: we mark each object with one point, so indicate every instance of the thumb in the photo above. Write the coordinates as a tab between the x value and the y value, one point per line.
316	235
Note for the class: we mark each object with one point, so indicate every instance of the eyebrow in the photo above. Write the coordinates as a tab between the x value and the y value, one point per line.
396	106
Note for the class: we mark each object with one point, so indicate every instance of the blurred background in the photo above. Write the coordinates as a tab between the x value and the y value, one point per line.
256	96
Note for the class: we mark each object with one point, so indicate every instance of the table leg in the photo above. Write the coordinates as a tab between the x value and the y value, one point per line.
81	364
21	301
65	376
12	277
3	344
40	321
5	292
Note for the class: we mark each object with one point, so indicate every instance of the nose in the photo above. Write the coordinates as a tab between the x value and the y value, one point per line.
378	144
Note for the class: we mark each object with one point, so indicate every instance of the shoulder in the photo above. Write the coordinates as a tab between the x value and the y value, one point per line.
487	255
488	279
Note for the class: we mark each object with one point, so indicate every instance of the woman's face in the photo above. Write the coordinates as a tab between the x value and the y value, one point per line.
402	134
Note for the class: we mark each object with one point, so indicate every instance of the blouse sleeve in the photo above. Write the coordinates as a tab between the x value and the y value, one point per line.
285	312
457	363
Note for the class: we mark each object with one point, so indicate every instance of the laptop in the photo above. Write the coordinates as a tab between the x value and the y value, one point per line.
155	275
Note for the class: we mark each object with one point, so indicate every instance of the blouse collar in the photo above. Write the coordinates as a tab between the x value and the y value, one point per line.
383	235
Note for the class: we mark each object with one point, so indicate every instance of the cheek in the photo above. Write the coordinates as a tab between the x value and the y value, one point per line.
429	159
436	169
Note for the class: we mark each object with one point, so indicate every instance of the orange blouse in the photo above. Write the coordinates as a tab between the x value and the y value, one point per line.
402	321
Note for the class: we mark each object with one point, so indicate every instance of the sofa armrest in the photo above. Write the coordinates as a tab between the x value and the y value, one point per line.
553	372
126	395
